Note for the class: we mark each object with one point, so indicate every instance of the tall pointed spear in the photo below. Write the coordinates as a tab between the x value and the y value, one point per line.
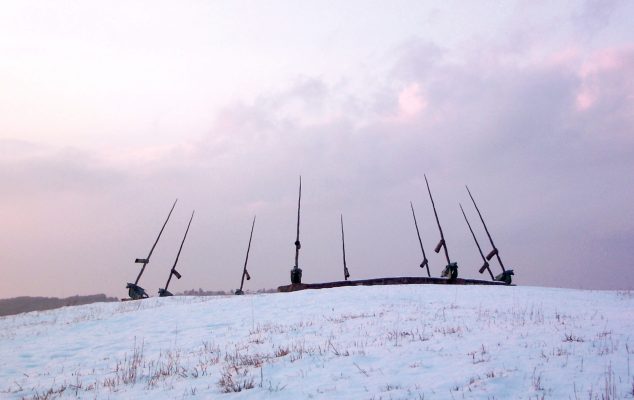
245	273
451	270
425	263
346	273
173	272
296	272
134	290
485	266
505	276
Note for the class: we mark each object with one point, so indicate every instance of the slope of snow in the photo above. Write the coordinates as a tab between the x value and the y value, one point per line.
381	342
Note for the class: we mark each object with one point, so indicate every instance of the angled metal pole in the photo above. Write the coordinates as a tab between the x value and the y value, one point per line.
425	263
173	272
245	273
145	261
506	275
485	266
299	207
451	270
442	243
134	290
296	272
495	251
346	273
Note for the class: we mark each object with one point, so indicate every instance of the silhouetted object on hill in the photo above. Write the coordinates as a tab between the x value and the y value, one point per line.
507	275
346	273
245	273
425	263
484	266
403	280
296	272
451	270
134	290
173	272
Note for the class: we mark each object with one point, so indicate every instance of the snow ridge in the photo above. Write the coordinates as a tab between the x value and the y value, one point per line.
380	342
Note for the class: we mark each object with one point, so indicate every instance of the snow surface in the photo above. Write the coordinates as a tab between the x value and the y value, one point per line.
380	342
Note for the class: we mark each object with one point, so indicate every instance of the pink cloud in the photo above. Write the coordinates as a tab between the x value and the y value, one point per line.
604	60
565	57
411	102
584	99
600	72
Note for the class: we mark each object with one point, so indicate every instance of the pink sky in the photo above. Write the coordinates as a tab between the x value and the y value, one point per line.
110	111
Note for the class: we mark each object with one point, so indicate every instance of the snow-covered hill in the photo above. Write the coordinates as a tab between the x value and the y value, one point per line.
390	342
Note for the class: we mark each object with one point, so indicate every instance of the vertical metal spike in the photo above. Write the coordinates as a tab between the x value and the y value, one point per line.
346	273
296	272
299	207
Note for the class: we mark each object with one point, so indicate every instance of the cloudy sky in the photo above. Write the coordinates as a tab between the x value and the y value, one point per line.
110	110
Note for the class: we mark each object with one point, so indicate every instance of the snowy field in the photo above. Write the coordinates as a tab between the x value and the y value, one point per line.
381	342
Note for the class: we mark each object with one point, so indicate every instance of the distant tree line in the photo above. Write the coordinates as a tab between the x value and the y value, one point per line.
23	304
17	305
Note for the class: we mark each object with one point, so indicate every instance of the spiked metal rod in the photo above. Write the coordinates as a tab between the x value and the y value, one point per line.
146	260
493	252
451	270
425	263
505	275
173	272
134	290
245	273
485	266
296	272
346	273
442	243
299	207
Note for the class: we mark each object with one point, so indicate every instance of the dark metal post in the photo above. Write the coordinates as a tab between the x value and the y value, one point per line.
296	272
485	266
425	263
451	270
134	290
505	276
346	273
165	292
245	273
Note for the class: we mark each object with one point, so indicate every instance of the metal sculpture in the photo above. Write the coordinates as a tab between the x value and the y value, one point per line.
507	274
451	270
134	290
245	273
484	266
164	292
425	263
296	272
346	273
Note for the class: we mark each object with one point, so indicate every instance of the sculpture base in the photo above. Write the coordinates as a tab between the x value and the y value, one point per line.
406	280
